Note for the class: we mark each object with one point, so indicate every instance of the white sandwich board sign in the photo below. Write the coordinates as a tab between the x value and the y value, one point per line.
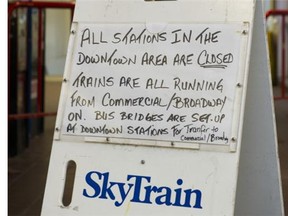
152	111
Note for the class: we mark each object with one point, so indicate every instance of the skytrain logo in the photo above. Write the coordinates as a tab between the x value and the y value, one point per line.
139	189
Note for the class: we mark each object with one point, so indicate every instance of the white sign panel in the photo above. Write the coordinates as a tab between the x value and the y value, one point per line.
136	74
164	82
180	80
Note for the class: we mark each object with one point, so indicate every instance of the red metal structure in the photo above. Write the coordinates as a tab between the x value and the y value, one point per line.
40	6
283	14
26	41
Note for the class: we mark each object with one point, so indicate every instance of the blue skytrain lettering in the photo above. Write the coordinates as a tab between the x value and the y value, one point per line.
138	189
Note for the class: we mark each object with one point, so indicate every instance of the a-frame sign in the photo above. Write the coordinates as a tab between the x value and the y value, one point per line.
165	109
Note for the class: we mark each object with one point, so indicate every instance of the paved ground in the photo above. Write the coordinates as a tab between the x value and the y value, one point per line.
281	113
